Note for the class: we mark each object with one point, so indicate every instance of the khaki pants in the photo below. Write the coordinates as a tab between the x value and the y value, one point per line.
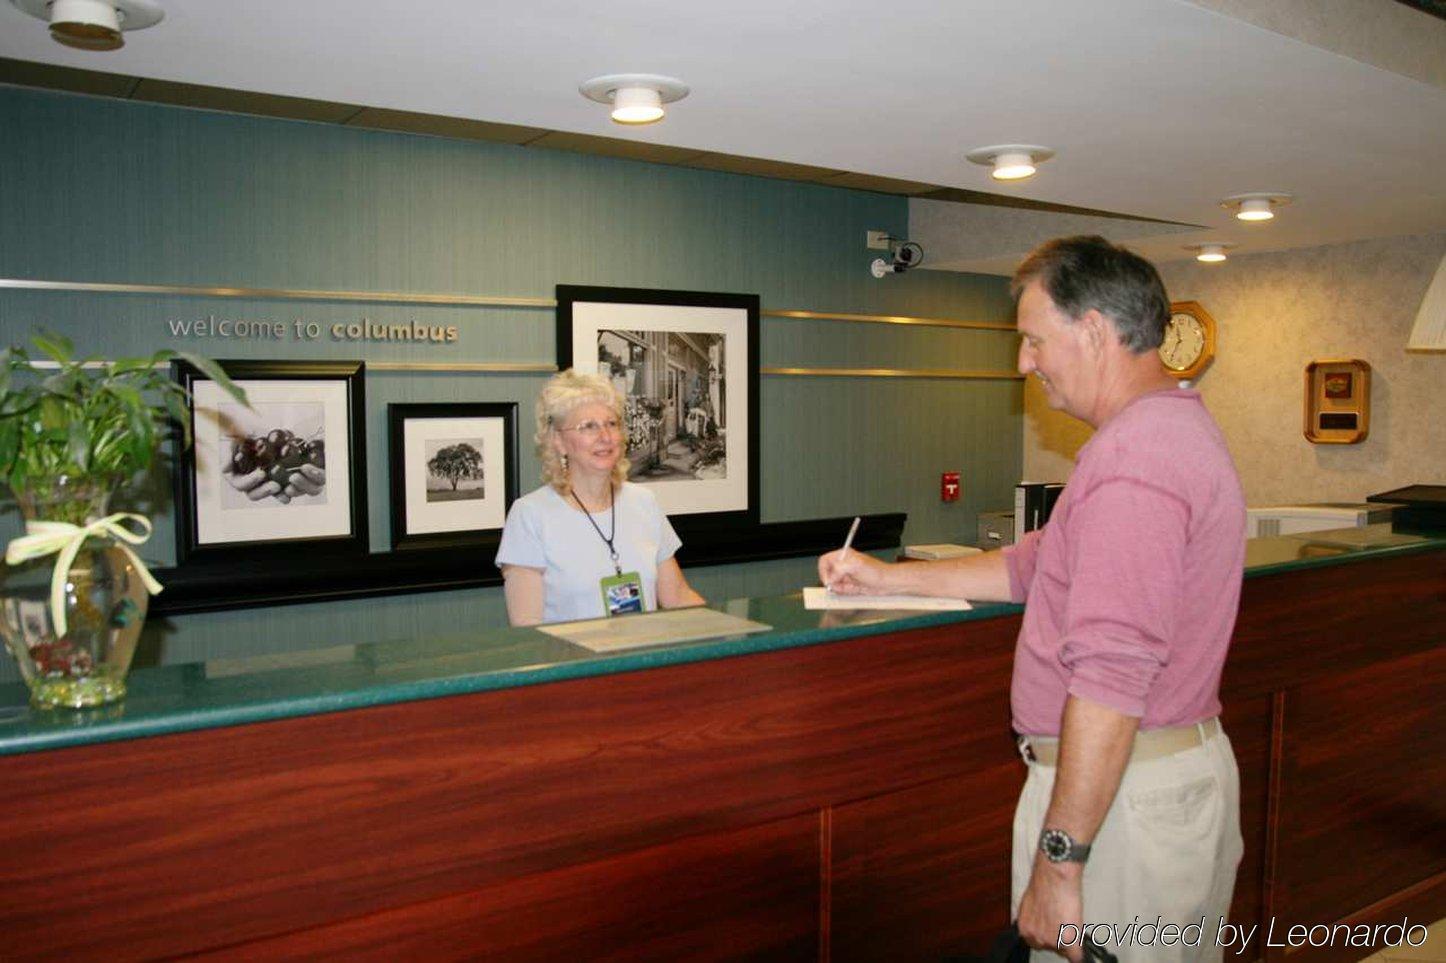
1166	853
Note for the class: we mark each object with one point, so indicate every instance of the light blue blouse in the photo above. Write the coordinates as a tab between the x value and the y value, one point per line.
545	530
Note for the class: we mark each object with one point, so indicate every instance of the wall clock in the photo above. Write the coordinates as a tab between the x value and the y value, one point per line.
1189	344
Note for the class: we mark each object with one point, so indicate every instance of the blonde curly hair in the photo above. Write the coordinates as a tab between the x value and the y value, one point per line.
564	392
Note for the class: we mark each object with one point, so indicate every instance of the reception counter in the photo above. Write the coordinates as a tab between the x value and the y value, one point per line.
840	787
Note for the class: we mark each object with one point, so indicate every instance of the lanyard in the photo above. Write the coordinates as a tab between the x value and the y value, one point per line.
607	539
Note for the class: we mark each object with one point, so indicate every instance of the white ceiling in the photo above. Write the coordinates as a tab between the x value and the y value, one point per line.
1157	108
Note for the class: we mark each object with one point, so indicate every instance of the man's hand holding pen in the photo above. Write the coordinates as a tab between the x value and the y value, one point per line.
847	572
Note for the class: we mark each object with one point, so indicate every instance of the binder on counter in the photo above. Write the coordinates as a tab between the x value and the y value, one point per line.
1052	491
1033	503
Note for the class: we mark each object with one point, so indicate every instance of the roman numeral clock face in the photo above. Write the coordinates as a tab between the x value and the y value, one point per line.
1189	343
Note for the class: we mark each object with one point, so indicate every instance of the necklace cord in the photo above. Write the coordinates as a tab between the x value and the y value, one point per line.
609	538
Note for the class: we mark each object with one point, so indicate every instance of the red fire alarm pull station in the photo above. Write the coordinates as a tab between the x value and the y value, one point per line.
949	486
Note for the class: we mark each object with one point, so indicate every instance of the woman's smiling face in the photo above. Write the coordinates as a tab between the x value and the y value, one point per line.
592	439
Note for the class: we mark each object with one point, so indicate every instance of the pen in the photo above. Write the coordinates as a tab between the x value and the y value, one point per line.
848	541
853	530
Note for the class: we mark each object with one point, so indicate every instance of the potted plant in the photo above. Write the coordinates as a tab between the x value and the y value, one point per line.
73	594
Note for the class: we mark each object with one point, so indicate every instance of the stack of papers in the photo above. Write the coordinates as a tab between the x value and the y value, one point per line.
1367	536
662	627
818	597
939	551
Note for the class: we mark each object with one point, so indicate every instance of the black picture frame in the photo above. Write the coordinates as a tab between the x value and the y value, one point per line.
698	334
411	508
327	394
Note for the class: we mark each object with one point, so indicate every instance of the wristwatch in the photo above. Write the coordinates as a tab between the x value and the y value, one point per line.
1059	846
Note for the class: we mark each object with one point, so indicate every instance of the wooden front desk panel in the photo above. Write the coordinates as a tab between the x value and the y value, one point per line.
843	801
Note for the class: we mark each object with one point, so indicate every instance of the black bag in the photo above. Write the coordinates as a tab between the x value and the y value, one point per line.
1009	947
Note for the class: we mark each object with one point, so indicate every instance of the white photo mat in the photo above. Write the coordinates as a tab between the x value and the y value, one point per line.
223	520
424	517
684	497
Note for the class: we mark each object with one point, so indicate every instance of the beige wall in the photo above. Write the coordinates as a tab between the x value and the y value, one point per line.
1275	313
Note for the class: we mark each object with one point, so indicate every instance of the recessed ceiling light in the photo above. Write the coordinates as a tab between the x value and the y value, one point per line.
1011	162
635	98
93	24
1211	252
1256	205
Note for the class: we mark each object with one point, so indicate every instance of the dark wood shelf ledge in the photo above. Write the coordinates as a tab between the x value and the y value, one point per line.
304	576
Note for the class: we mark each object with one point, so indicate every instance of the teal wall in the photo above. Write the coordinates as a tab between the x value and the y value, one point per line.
113	191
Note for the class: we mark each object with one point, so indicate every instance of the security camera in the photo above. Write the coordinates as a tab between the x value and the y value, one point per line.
907	255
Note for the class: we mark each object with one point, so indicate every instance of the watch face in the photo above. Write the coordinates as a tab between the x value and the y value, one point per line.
1184	341
1055	845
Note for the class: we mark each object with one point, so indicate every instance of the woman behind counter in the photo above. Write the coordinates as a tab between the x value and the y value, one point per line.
587	534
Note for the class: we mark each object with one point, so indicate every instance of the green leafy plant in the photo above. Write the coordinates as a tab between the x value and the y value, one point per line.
88	418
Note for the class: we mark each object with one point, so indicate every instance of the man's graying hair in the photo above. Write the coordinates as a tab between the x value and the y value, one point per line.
1084	272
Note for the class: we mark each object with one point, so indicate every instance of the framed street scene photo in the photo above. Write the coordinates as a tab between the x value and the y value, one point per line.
686	363
454	471
290	469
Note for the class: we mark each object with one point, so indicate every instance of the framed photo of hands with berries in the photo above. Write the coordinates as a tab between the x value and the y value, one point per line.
287	469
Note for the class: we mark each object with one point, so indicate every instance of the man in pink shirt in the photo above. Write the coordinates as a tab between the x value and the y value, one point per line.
1130	812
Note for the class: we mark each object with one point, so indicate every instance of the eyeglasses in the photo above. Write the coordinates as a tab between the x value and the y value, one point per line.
591	429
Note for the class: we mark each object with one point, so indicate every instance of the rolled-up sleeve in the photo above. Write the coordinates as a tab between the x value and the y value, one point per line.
1019	561
1127	558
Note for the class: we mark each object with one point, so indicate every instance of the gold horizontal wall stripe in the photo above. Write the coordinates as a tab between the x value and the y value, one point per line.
542	367
523	367
489	367
893	319
982	375
288	294
471	300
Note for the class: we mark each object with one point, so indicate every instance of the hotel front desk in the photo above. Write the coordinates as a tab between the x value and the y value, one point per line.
840	787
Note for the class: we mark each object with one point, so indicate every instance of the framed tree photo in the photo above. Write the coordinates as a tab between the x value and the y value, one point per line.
686	363
289	469
454	472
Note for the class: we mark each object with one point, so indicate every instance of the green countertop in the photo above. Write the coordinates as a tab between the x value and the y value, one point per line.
373	672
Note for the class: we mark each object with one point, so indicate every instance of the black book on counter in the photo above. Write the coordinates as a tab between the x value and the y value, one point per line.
1052	491
1033	502
1422	507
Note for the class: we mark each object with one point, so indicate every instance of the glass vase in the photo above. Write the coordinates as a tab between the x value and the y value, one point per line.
104	597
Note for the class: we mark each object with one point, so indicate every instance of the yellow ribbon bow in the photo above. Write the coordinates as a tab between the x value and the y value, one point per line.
47	538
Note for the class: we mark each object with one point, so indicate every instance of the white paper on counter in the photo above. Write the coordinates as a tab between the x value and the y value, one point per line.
818	597
662	627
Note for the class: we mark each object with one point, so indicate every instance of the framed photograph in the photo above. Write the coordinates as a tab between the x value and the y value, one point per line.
454	471
288	470
686	363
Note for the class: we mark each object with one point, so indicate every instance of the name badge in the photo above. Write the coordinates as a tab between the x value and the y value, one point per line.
622	593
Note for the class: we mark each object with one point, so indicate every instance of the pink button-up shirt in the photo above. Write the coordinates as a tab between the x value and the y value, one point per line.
1131	590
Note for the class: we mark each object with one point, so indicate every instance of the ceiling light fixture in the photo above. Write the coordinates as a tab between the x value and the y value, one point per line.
1011	162
93	24
1211	252
635	98
1256	205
